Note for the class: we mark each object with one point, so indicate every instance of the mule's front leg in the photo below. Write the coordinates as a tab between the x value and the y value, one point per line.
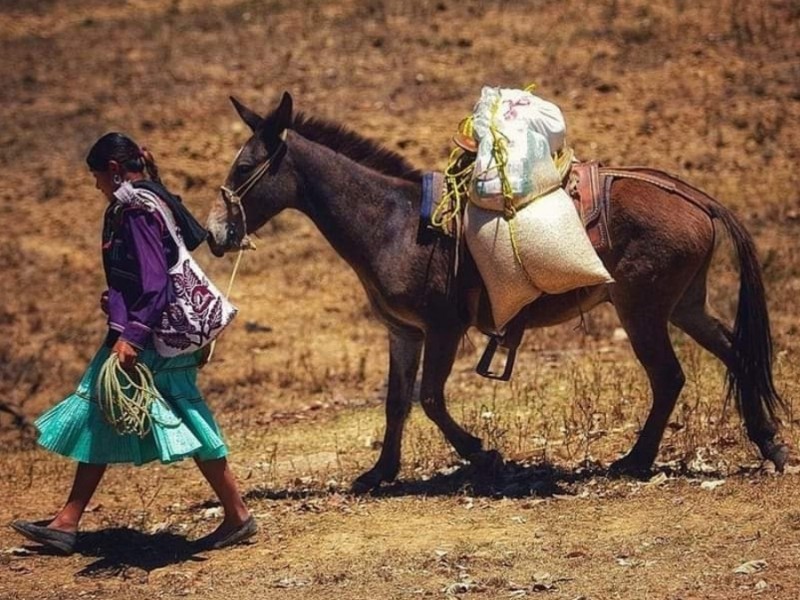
440	352
405	348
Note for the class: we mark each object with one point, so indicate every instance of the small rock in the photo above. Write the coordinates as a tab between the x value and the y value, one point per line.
212	513
136	575
712	485
657	479
750	567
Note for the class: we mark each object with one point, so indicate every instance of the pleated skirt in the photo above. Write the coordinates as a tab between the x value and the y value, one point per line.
182	424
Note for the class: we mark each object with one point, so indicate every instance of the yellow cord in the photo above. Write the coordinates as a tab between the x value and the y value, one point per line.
459	177
213	344
125	398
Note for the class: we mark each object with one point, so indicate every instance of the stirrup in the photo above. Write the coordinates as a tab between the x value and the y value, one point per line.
484	365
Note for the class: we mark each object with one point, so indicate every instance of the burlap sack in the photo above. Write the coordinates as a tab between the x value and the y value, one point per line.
553	246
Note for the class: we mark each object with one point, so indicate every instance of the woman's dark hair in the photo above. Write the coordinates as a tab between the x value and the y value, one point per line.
121	148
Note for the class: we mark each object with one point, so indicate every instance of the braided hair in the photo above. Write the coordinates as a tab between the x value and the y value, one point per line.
122	149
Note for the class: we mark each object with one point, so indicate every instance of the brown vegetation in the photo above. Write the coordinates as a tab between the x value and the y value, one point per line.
709	91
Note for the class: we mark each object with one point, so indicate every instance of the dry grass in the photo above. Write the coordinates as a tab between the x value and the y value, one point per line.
708	91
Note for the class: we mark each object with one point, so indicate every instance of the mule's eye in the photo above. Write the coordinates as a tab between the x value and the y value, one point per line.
242	168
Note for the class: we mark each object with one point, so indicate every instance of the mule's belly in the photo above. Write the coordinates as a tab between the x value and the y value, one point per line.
554	309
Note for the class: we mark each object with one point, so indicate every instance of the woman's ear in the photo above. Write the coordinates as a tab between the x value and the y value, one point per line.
114	167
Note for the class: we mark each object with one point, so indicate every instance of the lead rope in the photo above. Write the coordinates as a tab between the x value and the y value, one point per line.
212	346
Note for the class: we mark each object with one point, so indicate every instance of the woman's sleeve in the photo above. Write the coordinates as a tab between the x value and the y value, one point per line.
142	232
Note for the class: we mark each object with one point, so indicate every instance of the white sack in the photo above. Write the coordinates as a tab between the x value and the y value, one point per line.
553	245
531	129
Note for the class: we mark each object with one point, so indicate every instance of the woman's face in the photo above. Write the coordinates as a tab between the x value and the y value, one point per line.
104	180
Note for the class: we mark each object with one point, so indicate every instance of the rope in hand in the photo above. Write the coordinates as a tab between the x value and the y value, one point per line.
125	397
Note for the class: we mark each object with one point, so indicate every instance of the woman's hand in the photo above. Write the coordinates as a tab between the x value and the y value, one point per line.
104	302
127	354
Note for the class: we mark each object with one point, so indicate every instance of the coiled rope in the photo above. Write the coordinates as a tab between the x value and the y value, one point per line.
126	397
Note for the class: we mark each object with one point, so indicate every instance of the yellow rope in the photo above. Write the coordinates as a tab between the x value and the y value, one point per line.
213	344
125	398
459	176
500	160
449	208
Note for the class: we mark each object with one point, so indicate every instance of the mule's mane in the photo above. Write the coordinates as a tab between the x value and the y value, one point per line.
355	146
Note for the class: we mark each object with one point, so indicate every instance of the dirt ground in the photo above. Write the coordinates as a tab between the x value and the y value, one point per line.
709	91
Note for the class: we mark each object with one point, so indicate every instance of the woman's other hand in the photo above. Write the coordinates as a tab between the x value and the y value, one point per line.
127	354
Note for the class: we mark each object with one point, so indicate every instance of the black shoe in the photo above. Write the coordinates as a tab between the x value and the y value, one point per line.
215	540
63	541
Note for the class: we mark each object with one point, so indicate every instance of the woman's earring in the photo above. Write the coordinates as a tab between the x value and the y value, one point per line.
116	179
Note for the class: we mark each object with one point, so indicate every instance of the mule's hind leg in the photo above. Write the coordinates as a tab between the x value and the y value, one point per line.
405	348
694	316
440	352
649	338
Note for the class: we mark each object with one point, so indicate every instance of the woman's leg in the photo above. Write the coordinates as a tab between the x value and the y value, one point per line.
220	477
87	477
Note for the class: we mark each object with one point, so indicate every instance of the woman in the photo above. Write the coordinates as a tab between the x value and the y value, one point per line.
137	252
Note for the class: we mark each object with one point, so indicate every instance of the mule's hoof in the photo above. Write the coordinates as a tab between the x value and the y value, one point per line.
366	482
778	454
630	467
487	462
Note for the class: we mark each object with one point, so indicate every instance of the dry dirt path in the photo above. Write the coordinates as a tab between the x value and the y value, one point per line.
674	537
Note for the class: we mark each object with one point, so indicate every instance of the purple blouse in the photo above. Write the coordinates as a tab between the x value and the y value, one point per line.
139	287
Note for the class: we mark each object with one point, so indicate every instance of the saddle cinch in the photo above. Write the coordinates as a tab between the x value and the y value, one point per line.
588	186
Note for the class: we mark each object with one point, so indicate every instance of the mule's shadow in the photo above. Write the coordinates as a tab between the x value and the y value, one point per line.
510	480
121	549
521	480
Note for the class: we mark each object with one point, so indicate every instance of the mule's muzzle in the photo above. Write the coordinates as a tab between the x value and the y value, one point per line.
217	250
227	227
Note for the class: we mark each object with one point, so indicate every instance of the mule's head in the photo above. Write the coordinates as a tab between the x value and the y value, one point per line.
259	184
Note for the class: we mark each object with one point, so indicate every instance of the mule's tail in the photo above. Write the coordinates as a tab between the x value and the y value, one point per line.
749	379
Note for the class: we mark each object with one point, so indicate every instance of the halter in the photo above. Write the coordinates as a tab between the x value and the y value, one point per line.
233	198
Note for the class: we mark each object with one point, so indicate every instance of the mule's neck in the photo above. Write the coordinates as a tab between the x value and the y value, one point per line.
359	210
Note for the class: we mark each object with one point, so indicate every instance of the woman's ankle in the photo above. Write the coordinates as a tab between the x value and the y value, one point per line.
61	523
237	517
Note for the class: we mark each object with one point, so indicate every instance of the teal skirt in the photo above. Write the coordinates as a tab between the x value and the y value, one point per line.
182	425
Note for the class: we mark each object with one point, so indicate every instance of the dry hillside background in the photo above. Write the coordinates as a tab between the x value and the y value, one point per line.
707	90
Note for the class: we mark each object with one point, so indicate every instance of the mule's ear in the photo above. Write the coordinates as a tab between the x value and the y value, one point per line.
252	120
283	114
277	121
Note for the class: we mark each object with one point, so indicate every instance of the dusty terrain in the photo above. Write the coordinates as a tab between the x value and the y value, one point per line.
709	91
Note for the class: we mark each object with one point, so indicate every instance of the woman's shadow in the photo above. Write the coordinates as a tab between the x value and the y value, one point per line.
122	552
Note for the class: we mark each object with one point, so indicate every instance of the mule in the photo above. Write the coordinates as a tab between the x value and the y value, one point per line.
365	200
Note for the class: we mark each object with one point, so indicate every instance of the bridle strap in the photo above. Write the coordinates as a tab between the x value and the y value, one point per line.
236	196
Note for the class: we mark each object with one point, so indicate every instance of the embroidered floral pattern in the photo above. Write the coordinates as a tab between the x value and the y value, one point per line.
197	313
